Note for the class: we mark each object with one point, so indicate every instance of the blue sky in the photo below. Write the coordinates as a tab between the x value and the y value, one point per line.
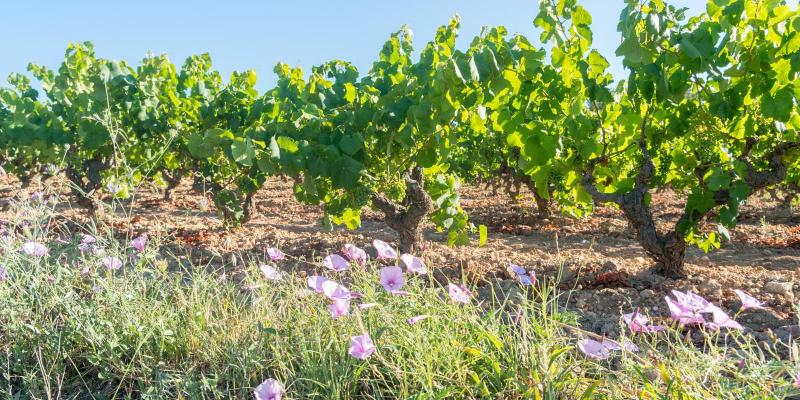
243	35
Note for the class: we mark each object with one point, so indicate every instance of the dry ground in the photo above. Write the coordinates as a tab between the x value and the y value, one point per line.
596	256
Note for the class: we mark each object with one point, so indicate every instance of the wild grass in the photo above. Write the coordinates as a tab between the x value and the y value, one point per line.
159	329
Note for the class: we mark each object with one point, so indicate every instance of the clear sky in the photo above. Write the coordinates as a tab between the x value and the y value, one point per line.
253	34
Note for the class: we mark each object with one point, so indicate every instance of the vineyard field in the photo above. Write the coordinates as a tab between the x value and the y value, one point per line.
576	252
496	216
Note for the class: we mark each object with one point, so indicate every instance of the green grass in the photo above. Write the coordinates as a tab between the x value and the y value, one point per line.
153	331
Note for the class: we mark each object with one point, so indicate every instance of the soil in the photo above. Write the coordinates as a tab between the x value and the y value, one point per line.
595	257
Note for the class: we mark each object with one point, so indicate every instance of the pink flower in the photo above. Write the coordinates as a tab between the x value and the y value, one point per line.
522	275
526	280
275	254
339	308
459	293
385	252
316	282
270	272
639	323
139	243
722	320
688	307
85	238
361	347
593	349
614	345
3	275
392	278
34	249
367	306
329	288
270	389
414	320
335	262
683	313
355	254
112	263
37	197
797	380
113	188
749	302
414	264
518	270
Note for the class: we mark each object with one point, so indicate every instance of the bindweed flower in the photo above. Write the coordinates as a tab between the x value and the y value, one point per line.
385	252
112	263
722	320
34	249
37	197
355	254
113	188
392	278
335	262
275	254
339	308
459	293
361	347
270	272
522	275
687	308
88	243
270	389
3	275
316	282
329	288
414	264
526	280
615	346
749	302
139	243
593	349
639	323
414	320
366	306
518	270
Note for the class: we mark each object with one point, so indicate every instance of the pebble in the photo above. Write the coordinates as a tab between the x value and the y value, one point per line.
709	285
647	294
775	287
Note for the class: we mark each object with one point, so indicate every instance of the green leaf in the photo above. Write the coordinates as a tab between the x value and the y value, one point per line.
351	143
482	235
243	152
782	69
349	92
778	106
717	179
689	48
198	148
346	172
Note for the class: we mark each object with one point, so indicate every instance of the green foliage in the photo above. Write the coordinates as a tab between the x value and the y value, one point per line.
711	98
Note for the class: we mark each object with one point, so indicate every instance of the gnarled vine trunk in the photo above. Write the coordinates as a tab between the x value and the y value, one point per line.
173	180
86	182
406	218
668	250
